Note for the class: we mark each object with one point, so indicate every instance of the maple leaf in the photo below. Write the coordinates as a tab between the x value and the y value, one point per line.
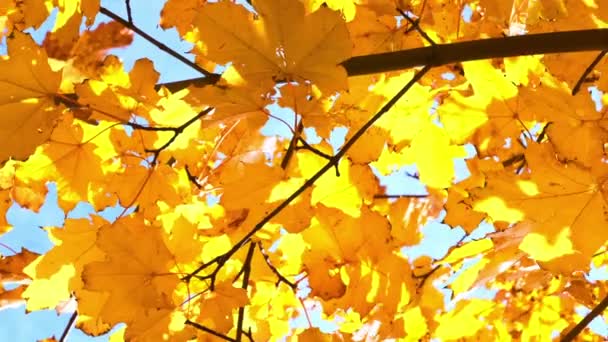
323	42
28	103
54	279
136	274
564	202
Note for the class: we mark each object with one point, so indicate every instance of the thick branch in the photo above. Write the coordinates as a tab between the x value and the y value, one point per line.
441	54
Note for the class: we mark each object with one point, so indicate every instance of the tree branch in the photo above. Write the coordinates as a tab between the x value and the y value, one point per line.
68	327
281	278
209	331
587	71
572	334
246	274
441	54
211	77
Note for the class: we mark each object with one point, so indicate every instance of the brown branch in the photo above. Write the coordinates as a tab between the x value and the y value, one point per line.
69	326
441	54
220	260
246	274
292	145
129	14
176	131
416	26
587	71
598	309
210	76
281	278
209	331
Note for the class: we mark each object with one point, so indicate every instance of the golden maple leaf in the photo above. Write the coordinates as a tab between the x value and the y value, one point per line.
260	49
27	104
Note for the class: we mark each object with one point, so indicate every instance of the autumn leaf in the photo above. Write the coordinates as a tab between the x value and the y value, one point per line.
323	42
135	274
54	281
28	103
564	205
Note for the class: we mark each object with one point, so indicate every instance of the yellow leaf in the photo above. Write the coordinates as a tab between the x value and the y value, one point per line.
60	268
563	207
135	273
258	49
27	103
434	155
463	320
217	306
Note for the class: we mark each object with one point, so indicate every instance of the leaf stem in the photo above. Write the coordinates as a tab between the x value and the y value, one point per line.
587	71
209	331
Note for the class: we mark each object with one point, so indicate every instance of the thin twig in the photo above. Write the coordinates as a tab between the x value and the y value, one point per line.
246	274
416	25
307	146
513	160
292	145
249	334
129	14
192	178
9	248
161	46
424	277
281	278
222	259
587	71
69	326
176	132
209	331
543	132
598	309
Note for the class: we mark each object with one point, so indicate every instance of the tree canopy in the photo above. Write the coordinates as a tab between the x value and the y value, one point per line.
230	234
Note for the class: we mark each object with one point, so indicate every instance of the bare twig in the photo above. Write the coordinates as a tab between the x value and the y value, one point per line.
598	309
176	131
192	178
416	26
209	331
68	327
281	278
129	13
307	146
246	274
424	277
587	71
292	145
211	76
